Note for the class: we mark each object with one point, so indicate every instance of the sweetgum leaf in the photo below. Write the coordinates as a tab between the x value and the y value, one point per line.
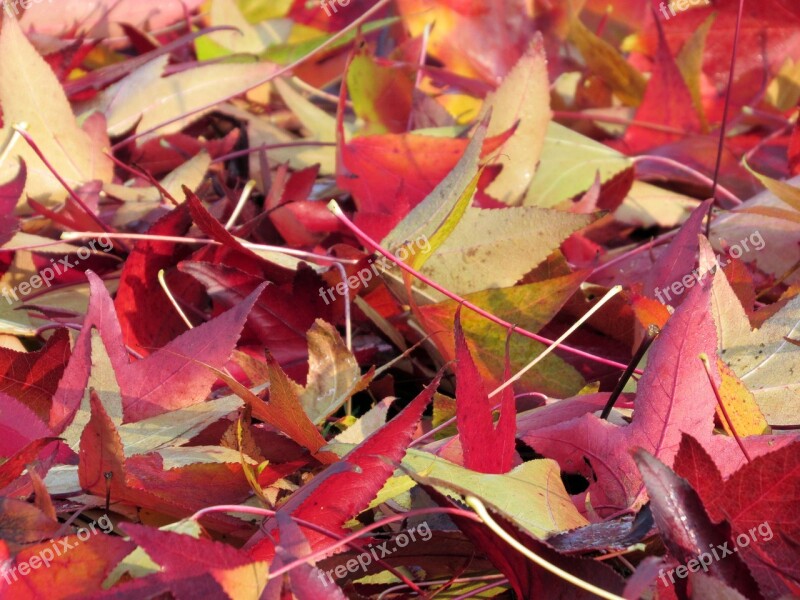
343	495
31	94
685	527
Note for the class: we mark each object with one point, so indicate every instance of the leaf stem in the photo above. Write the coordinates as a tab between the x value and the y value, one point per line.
609	294
255	149
652	334
337	211
22	126
313	526
693	172
724	125
174	302
636	250
80	235
248	189
24	134
479	508
581	116
341	541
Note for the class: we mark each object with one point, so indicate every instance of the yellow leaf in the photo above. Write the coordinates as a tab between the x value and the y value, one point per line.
495	248
333	373
785	192
690	64
30	93
783	92
530	306
569	166
523	99
605	61
146	100
438	215
740	404
532	495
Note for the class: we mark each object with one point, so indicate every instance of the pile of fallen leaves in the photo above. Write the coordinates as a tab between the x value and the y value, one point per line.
399	298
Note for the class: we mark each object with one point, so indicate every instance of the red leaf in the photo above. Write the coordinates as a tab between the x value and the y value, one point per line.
172	377
487	448
102	460
32	377
686	529
695	465
674	397
211	227
600	451
341	496
677	262
74	567
182	554
146	315
387	179
278	320
667	101
192	487
304	581
760	503
71	388
23	523
168	379
13	466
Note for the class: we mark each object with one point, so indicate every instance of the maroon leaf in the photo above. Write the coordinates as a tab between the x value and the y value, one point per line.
687	530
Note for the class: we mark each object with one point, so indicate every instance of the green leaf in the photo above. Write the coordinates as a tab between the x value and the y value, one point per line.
532	495
569	164
529	306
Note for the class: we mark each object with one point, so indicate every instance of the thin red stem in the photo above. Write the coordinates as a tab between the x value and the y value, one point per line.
64	184
487	315
313	526
145	175
343	541
724	126
694	173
